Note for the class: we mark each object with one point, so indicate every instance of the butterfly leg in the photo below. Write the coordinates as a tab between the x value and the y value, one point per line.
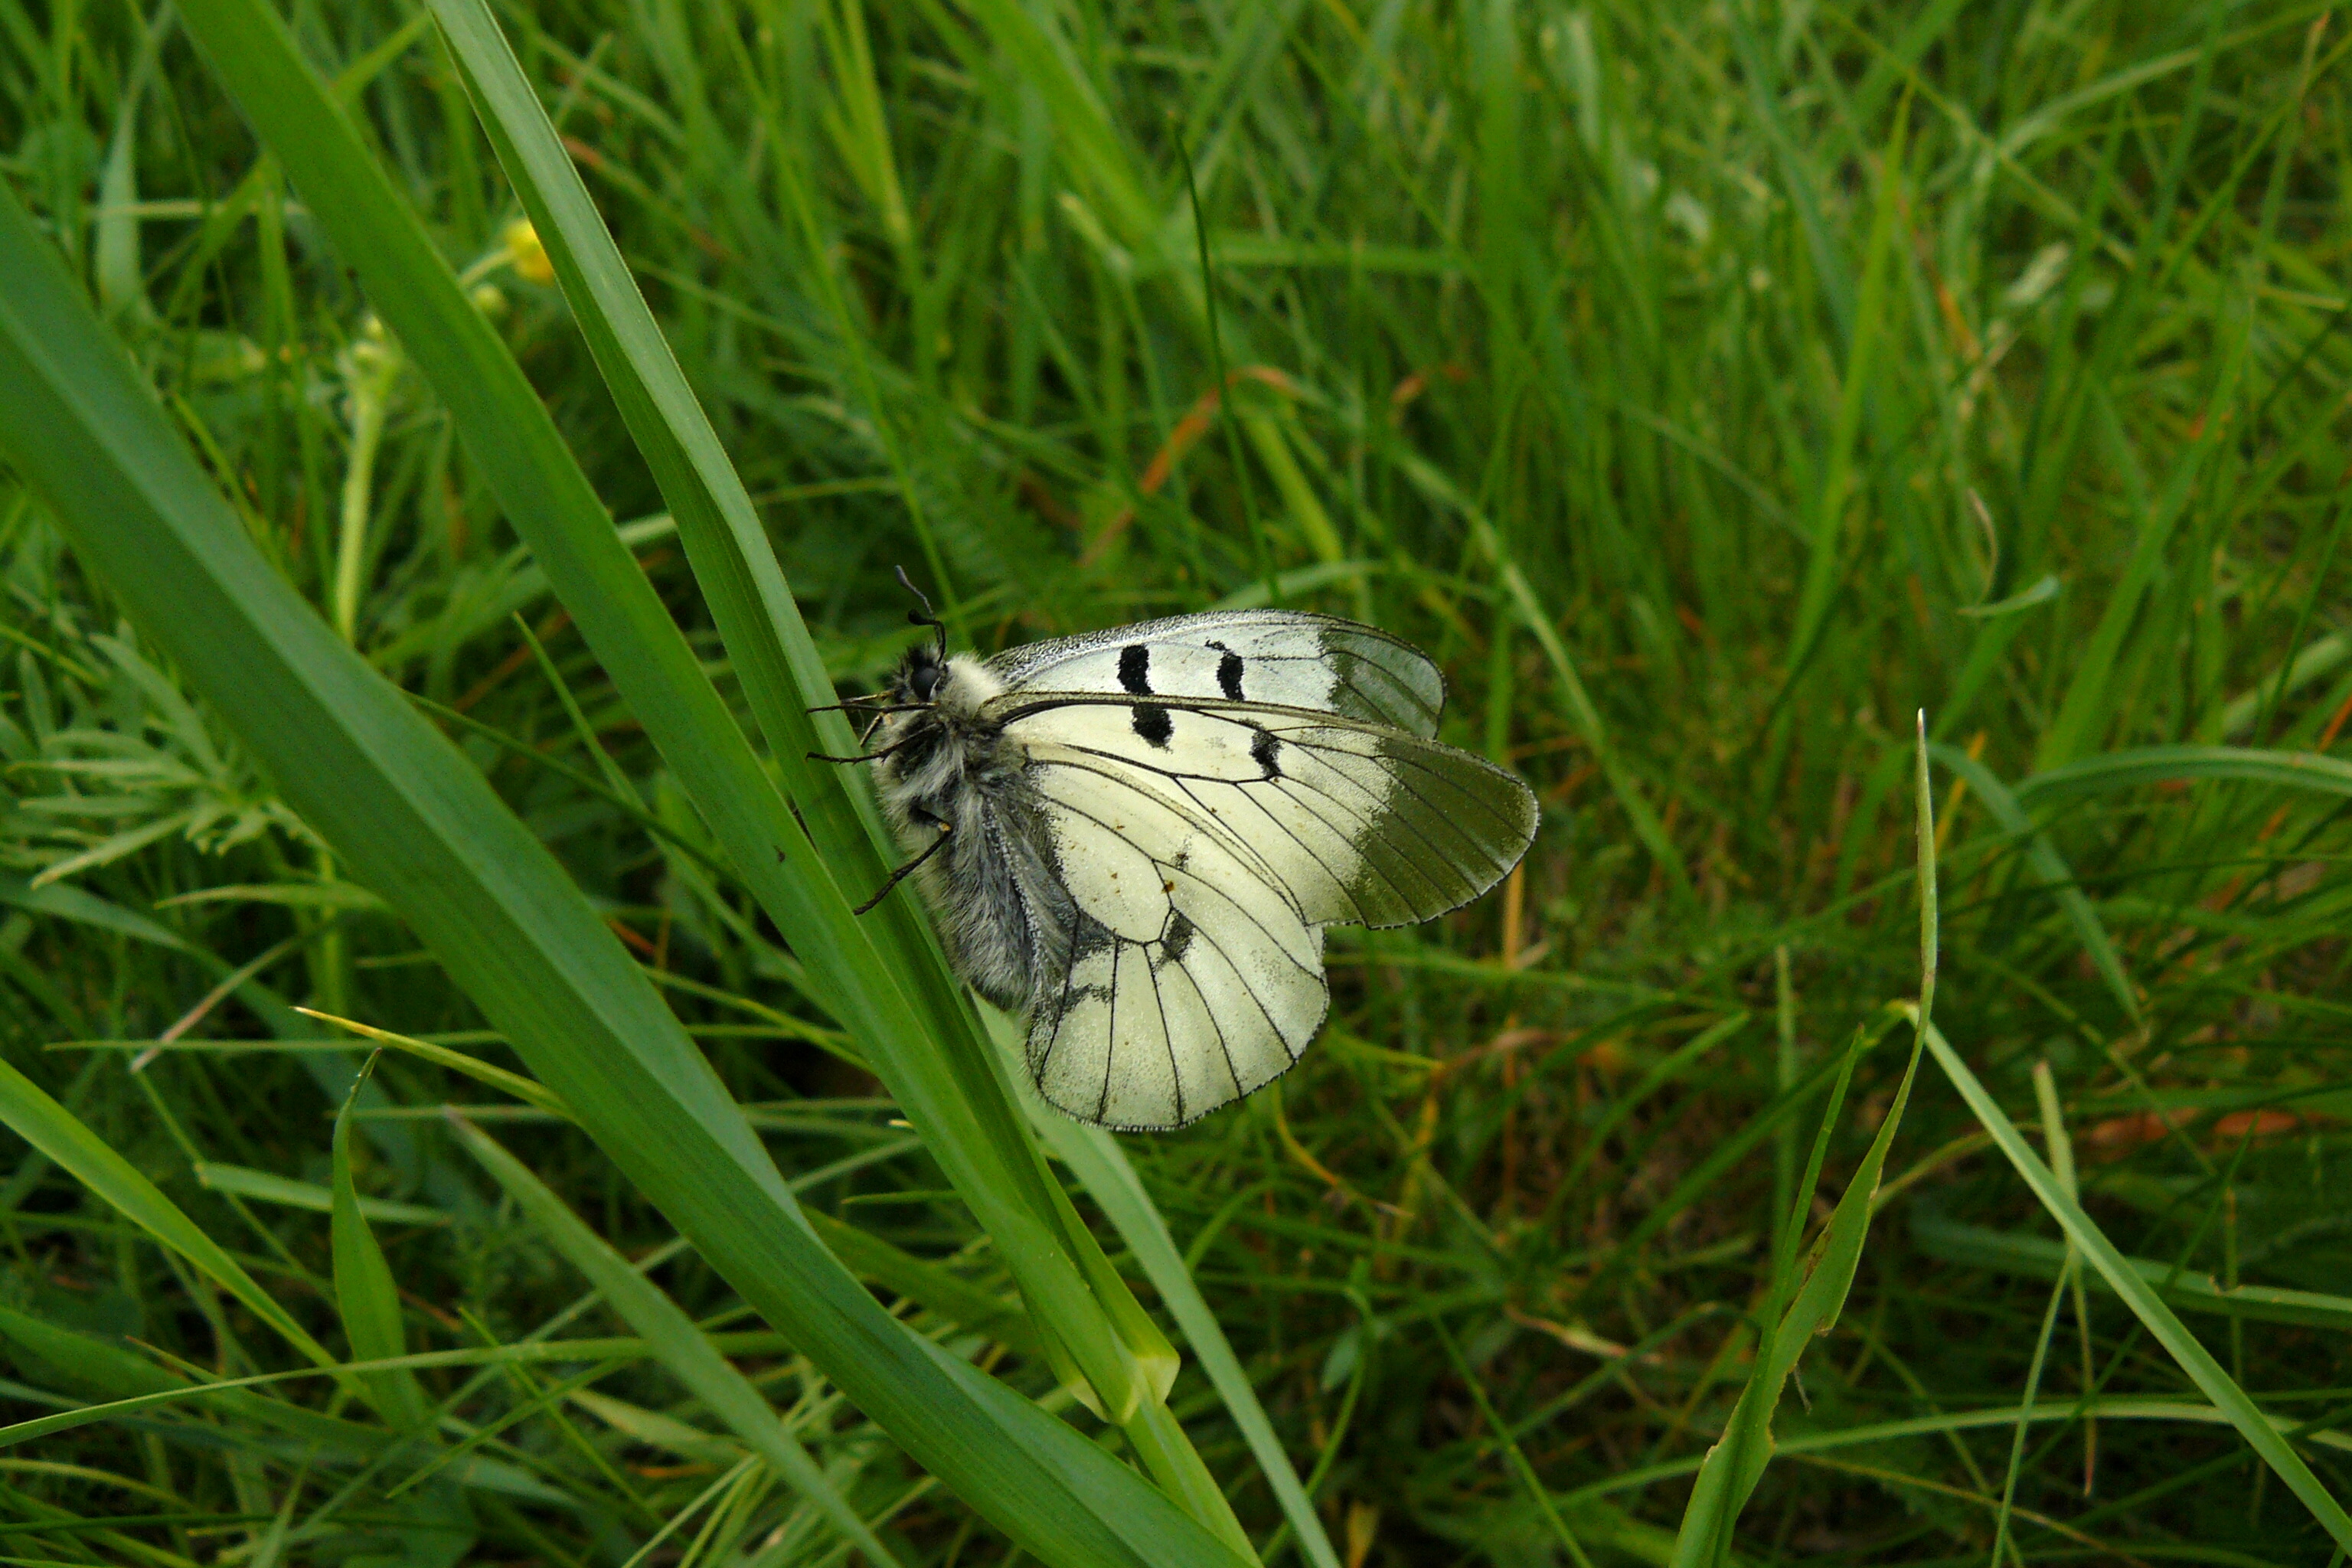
865	756
946	830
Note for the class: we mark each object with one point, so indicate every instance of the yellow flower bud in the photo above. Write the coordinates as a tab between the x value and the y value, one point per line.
528	256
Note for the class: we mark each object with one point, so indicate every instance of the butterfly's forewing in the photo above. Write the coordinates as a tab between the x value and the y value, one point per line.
1283	657
1351	824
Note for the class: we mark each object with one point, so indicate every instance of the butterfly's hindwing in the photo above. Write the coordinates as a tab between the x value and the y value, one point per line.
1155	1033
1280	658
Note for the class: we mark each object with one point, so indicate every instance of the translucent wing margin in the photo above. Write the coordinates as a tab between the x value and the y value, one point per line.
1282	658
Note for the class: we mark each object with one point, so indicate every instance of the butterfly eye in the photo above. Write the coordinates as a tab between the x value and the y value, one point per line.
923	680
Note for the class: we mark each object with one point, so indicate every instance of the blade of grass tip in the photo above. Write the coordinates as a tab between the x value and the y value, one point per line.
498	1078
2051	867
416	822
62	1137
2140	1295
364	1295
681	1347
1520	1467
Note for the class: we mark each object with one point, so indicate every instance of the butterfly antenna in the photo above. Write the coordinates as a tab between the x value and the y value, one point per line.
926	616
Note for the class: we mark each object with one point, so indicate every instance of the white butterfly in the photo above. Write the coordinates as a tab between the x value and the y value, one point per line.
1137	837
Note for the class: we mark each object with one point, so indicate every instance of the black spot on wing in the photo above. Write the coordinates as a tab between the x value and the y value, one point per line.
1266	752
1151	722
1178	938
1229	672
1135	668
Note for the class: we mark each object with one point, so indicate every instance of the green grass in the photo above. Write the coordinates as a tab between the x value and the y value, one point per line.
1707	390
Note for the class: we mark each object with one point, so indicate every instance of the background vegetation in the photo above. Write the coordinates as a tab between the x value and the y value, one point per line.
1707	389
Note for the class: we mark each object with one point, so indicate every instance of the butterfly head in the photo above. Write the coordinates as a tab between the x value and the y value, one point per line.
928	678
922	674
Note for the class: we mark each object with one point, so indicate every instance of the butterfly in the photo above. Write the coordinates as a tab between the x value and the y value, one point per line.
1137	837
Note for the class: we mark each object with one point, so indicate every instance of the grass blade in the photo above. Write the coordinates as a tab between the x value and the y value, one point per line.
1096	1158
948	1085
363	1288
2140	1295
947	1077
682	1347
1736	1463
2146	765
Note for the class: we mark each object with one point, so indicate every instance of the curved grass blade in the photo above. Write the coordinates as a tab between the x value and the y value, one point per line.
363	1288
412	820
548	499
951	1083
1736	1463
1095	1157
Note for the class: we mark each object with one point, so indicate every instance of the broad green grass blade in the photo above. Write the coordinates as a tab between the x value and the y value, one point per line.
944	1077
951	1084
2141	1296
682	1347
364	1289
29	1113
2043	856
412	820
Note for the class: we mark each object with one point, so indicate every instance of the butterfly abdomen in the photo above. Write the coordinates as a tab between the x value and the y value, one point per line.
998	895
